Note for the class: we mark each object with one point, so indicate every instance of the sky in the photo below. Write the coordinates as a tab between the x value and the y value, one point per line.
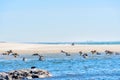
59	20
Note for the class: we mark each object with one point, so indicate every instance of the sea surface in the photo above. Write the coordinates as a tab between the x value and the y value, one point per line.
62	67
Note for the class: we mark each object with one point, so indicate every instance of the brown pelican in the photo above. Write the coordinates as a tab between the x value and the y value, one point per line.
7	52
108	52
10	51
62	51
93	52
80	52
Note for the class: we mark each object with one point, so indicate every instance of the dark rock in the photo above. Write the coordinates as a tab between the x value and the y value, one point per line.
35	76
24	74
98	53
15	77
33	67
36	54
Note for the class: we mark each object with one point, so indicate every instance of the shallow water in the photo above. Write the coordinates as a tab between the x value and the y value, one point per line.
74	67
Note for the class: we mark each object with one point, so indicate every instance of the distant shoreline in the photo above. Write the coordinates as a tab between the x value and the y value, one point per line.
80	43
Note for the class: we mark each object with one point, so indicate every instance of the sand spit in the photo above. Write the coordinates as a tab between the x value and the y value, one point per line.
54	48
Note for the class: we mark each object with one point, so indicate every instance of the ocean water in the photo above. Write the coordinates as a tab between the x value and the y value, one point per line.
74	67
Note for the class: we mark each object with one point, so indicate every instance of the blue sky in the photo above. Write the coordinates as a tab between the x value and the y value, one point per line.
59	20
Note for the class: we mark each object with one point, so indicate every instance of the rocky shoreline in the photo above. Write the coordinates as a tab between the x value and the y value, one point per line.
24	74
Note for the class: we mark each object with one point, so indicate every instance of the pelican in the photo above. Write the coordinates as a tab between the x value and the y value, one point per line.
41	58
15	54
67	54
85	55
24	59
62	51
93	52
10	51
108	52
80	52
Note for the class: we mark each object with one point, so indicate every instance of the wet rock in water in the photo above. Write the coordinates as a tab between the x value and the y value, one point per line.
3	76
33	67
36	54
24	74
98	53
35	76
117	53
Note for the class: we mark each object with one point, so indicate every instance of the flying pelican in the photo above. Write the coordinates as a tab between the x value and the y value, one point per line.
41	58
66	53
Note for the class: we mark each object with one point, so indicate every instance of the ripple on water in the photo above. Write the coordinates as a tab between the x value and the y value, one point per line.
68	68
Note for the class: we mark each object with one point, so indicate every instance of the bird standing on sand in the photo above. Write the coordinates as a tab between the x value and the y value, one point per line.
7	52
10	51
62	51
93	52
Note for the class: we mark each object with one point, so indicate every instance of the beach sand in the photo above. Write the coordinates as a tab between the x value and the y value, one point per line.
23	48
